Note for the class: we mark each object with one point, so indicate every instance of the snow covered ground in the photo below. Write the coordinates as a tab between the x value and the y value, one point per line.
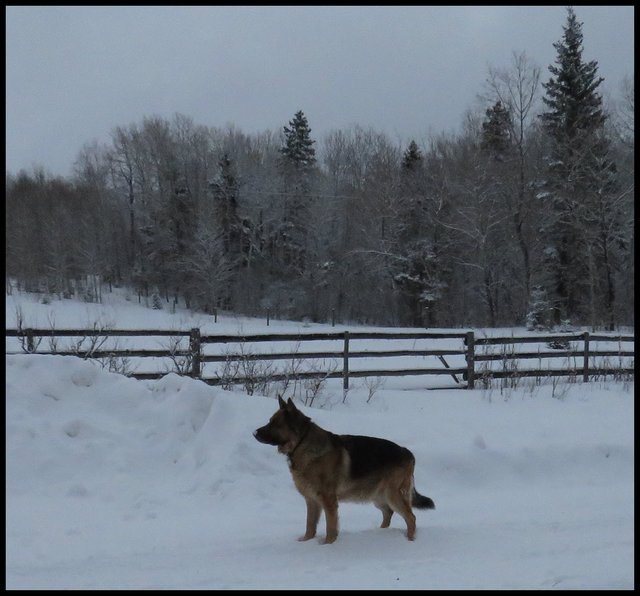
118	483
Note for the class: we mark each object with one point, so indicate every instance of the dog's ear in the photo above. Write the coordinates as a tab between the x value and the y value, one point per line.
281	402
291	406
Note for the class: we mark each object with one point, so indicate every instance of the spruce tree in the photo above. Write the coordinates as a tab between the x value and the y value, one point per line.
298	164
225	189
496	131
411	195
412	157
575	109
298	153
579	175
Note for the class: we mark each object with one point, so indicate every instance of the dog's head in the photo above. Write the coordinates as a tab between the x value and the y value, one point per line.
284	428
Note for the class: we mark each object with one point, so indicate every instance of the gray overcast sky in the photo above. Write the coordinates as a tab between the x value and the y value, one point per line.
74	73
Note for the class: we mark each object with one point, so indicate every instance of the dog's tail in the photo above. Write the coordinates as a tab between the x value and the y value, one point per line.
421	502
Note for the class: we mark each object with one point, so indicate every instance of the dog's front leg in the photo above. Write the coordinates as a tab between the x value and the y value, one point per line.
330	506
313	515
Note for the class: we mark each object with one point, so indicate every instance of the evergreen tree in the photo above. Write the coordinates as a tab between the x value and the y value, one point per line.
412	157
496	131
579	177
420	282
298	153
409	224
575	109
225	197
298	163
538	311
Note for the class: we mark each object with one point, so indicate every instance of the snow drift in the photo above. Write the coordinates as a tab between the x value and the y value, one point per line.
117	483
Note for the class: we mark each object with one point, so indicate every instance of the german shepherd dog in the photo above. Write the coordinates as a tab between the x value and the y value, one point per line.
328	468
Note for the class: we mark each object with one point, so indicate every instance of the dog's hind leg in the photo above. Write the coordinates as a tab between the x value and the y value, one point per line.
399	499
387	512
401	505
313	515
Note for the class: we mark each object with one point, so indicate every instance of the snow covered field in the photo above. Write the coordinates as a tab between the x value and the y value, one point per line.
118	483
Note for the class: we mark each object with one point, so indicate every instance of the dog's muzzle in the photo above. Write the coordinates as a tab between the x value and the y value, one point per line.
260	436
263	436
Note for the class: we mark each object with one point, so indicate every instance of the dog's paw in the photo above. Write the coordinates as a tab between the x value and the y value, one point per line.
306	537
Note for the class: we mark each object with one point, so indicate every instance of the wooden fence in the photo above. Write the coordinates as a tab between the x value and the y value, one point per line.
563	350
475	353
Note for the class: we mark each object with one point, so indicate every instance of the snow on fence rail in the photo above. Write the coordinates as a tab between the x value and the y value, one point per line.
476	355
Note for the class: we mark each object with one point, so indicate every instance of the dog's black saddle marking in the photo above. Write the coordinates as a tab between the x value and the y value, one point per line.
369	454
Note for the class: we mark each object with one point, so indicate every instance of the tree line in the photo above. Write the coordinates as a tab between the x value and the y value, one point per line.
525	216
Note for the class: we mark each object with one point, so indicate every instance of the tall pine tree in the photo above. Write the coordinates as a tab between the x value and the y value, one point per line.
225	191
411	195
579	178
411	158
575	109
496	131
298	164
298	153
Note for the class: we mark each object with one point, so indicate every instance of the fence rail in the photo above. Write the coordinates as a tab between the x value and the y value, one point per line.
476	352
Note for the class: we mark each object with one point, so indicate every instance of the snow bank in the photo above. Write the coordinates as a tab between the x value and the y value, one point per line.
117	483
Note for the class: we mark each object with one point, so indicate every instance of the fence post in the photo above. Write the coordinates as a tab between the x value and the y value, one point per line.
585	366
469	341
30	343
194	347
345	364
